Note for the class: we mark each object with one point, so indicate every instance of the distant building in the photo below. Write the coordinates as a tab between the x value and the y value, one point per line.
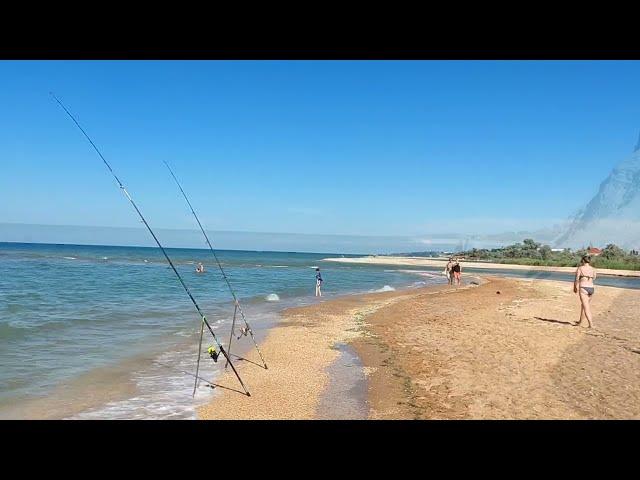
558	249
593	251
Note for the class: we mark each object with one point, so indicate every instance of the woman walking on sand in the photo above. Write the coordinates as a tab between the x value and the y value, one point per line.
583	286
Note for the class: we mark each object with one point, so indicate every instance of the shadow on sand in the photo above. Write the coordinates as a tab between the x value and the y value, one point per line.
564	322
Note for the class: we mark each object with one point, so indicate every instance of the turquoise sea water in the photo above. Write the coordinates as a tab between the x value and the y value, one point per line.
108	332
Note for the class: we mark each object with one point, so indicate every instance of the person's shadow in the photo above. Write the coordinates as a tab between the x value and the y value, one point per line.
555	321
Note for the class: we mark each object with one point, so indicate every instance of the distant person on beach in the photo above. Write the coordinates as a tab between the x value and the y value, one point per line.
200	268
457	271
448	271
318	283
583	286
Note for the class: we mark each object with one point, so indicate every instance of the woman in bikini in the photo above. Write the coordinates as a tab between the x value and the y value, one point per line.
583	286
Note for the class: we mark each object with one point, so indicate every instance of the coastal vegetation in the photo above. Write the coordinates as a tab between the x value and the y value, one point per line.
533	253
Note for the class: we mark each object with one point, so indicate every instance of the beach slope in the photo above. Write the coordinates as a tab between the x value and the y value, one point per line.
503	349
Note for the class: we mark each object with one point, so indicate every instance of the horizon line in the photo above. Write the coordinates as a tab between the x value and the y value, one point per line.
440	235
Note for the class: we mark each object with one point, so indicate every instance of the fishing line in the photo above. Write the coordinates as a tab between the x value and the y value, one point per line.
237	307
195	304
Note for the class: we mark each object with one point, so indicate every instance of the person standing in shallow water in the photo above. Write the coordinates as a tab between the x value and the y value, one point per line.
448	271
456	271
318	283
583	286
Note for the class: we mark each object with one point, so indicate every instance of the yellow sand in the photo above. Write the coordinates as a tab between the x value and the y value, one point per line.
448	352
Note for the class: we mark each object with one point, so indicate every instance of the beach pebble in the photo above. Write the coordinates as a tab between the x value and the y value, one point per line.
498	292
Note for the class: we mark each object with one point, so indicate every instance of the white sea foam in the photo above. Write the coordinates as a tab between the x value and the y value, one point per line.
163	391
272	297
70	258
386	288
422	273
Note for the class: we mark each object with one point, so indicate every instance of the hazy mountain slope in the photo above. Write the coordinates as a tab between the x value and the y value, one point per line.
613	215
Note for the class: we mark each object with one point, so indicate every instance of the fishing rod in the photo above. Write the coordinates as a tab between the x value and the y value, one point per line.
237	307
195	304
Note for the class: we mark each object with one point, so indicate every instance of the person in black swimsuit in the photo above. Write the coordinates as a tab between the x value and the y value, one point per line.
456	271
584	287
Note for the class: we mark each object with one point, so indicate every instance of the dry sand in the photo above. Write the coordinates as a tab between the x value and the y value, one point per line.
447	352
441	262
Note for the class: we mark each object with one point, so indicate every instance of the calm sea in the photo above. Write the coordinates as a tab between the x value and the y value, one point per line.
108	332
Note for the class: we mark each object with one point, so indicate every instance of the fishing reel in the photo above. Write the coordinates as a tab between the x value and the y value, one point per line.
213	353
244	331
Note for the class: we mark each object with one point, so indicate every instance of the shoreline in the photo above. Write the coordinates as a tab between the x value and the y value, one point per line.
298	349
446	352
432	262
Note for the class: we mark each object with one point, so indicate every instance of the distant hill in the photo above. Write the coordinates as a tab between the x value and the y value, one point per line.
613	215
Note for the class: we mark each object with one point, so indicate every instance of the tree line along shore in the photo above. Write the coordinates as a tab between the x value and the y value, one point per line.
532	253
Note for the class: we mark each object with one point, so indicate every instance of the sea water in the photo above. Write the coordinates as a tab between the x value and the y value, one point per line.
109	332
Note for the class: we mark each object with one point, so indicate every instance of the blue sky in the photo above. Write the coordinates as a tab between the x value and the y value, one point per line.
342	147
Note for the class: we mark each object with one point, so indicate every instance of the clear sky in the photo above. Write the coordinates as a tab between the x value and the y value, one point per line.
315	147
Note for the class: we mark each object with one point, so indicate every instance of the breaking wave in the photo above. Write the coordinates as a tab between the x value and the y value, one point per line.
386	288
272	297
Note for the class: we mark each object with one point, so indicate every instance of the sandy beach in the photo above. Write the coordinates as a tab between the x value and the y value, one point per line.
441	262
453	353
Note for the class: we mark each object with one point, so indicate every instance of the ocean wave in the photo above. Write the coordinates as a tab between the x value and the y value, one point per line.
70	258
272	297
184	333
422	273
386	288
279	266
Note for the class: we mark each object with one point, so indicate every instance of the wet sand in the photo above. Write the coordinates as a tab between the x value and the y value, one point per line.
445	352
441	262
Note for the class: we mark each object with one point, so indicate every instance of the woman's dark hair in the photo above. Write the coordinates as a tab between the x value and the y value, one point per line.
586	259
317	269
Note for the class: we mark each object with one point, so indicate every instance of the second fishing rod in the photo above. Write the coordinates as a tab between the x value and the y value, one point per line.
237	307
195	304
